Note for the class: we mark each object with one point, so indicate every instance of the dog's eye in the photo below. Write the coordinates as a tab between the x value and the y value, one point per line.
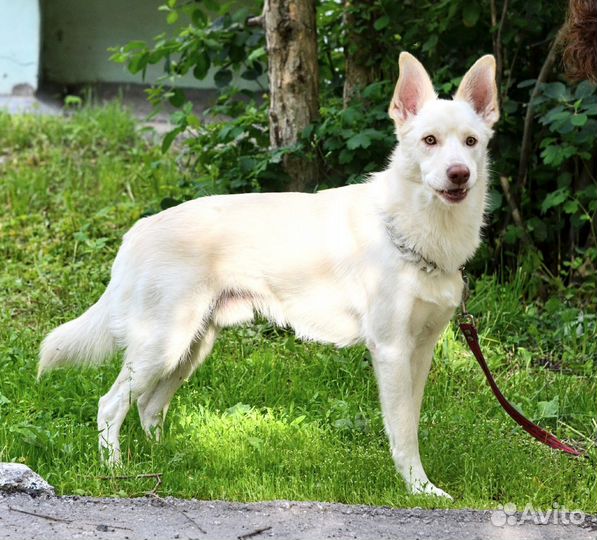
471	141
430	140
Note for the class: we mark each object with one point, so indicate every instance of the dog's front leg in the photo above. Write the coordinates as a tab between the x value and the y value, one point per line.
400	408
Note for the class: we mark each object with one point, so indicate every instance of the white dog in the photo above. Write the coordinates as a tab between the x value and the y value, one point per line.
377	262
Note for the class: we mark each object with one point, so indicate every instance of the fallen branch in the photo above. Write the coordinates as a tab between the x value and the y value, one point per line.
157	476
254	533
182	512
43	516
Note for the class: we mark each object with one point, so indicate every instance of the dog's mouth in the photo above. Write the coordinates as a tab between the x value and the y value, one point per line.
453	195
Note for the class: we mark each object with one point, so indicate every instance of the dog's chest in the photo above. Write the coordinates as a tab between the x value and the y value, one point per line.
429	299
441	290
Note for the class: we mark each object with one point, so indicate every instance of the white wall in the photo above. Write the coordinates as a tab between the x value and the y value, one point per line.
74	37
19	44
77	35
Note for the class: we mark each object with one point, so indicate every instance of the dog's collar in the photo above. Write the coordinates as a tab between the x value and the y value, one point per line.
409	254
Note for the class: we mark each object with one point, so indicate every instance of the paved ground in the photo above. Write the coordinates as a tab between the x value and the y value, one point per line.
29	104
48	518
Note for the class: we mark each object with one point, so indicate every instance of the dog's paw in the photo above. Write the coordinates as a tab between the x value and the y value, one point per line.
109	455
429	489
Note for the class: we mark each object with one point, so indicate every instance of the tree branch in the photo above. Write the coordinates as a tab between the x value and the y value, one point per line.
497	41
525	147
256	21
499	58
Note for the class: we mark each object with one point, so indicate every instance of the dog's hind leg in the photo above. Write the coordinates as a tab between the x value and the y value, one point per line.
157	341
134	378
153	405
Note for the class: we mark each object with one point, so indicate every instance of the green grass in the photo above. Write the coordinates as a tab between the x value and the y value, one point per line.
267	417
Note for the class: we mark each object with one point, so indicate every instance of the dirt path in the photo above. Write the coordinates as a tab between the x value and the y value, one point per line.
48	518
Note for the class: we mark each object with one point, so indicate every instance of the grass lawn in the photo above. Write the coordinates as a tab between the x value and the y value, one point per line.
267	417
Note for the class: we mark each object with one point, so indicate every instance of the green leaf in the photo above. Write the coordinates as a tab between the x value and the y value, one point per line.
470	13
240	409
548	409
202	65
556	90
538	228
430	44
257	54
360	140
169	138
381	23
584	90
138	63
579	120
374	90
172	17
255	442
526	83
343	423
555	198
350	116
555	155
345	156
199	18
177	98
134	45
246	164
298	420
241	15
223	77
512	234
571	207
249	74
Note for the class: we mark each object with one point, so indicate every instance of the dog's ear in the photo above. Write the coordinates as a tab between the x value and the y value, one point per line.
479	89
413	89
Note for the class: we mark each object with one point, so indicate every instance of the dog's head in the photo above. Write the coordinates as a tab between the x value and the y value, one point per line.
446	140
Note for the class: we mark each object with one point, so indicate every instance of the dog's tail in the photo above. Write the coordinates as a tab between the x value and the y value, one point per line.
84	340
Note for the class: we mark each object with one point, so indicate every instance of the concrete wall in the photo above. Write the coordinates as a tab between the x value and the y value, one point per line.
19	45
77	35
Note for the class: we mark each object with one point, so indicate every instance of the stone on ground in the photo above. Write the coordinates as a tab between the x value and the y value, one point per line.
18	478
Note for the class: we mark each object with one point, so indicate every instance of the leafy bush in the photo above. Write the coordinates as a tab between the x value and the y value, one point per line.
233	156
357	139
567	146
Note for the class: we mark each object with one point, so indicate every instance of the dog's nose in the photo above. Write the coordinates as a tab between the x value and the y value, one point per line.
458	174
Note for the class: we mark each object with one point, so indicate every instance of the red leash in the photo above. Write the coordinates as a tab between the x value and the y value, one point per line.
472	338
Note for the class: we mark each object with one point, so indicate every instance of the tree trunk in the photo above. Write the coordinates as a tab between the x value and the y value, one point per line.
291	35
357	50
